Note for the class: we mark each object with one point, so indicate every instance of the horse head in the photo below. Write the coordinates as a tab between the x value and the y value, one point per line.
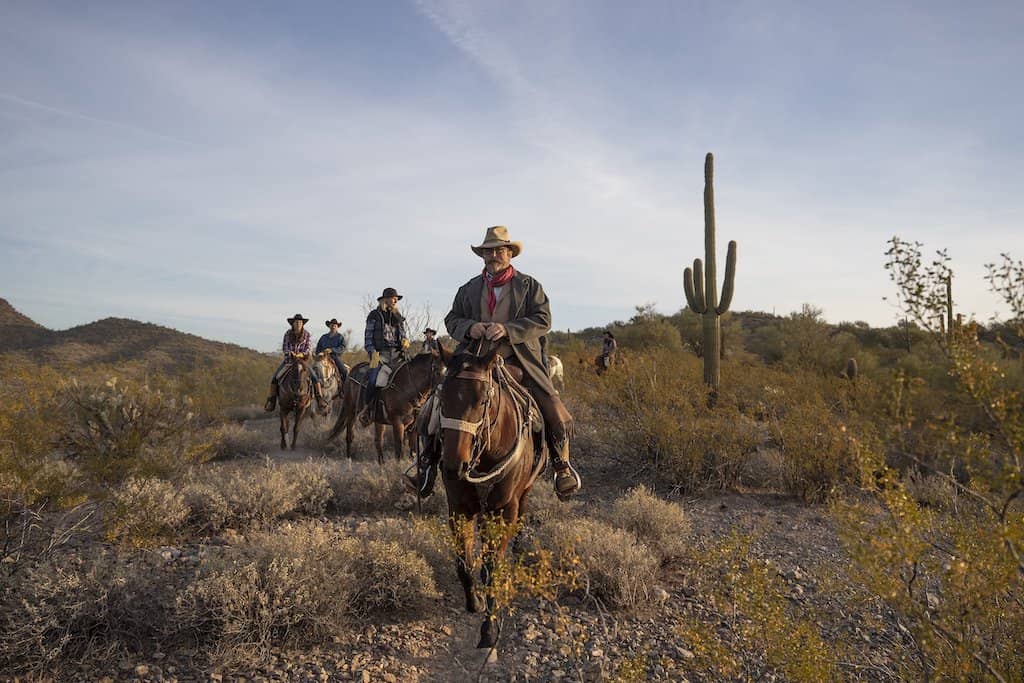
468	409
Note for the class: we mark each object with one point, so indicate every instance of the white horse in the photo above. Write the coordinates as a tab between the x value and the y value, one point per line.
556	372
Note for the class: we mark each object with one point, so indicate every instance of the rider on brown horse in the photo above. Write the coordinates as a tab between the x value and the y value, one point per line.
608	348
297	344
385	341
508	308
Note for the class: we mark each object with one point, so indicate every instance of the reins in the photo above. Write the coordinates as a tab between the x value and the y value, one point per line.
482	429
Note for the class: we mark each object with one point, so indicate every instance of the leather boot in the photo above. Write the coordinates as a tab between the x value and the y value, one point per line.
422	483
271	399
567	479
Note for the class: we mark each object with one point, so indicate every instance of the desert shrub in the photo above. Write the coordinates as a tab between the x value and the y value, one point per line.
614	566
229	496
657	413
82	608
146	511
769	634
368	488
312	487
208	508
227	381
662	526
234	441
430	538
817	453
116	431
300	585
952	574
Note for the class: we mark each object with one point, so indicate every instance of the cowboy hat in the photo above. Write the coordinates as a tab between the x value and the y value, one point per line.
388	293
298	316
497	236
332	321
429	330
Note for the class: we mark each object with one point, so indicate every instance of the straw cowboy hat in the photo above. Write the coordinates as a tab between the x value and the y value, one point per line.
388	293
497	236
298	316
332	321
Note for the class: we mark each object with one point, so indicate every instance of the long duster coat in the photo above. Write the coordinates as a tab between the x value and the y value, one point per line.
528	323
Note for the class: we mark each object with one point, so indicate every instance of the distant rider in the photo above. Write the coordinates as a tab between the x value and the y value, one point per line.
297	344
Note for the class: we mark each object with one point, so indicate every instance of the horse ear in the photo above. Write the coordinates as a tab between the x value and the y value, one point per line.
444	354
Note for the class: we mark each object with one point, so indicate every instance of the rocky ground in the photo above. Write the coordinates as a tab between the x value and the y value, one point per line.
579	640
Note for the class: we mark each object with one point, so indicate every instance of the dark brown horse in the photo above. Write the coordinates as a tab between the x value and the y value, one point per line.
409	387
491	456
294	394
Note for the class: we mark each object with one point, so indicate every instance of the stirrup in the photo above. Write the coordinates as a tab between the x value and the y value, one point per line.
562	469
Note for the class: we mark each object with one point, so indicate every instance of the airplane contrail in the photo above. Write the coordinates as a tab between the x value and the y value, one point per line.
93	119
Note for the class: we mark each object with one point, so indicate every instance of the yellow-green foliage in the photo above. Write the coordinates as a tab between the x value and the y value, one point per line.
749	593
115	430
953	571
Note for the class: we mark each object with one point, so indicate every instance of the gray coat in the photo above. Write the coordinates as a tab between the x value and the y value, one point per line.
529	320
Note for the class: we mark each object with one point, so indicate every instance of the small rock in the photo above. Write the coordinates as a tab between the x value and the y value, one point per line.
659	594
446	629
366	676
142	671
933	601
684	653
216	677
597	653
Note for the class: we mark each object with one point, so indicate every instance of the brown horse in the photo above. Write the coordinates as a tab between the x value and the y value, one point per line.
617	360
294	393
491	455
409	387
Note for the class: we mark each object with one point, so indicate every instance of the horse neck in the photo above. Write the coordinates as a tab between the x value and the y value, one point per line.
412	382
505	426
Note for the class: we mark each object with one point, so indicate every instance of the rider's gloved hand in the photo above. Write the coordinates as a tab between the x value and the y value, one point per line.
405	343
374	359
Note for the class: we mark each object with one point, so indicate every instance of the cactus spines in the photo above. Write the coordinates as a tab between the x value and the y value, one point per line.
701	283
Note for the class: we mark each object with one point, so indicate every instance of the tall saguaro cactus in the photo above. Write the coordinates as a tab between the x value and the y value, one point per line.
701	284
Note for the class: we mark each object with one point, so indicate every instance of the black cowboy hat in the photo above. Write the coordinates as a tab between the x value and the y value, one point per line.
609	333
388	293
298	316
429	331
332	321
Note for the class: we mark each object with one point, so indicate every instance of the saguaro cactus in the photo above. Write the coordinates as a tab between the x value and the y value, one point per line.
701	284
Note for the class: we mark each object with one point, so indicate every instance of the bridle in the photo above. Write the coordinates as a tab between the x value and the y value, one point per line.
482	429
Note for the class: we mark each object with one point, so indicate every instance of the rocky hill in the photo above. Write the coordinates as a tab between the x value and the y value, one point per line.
111	340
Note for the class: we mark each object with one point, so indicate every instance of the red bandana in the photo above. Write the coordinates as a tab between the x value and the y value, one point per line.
493	281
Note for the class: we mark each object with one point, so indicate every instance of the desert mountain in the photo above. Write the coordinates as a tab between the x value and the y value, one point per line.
112	340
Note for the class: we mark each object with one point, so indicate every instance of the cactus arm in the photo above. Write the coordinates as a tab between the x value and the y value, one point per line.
730	279
698	285
691	299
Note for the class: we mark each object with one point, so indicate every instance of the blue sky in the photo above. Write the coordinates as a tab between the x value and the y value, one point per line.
216	167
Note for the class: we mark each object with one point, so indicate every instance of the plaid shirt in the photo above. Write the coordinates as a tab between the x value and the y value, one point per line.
301	345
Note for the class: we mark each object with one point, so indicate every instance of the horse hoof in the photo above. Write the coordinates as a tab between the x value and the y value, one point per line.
488	634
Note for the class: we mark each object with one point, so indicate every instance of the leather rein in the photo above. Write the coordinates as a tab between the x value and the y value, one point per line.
482	429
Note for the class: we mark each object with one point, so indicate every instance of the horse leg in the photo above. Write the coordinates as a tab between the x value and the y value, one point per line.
349	420
465	539
489	630
378	441
398	433
284	428
300	413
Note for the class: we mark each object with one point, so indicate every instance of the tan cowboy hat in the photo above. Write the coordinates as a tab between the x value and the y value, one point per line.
497	236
